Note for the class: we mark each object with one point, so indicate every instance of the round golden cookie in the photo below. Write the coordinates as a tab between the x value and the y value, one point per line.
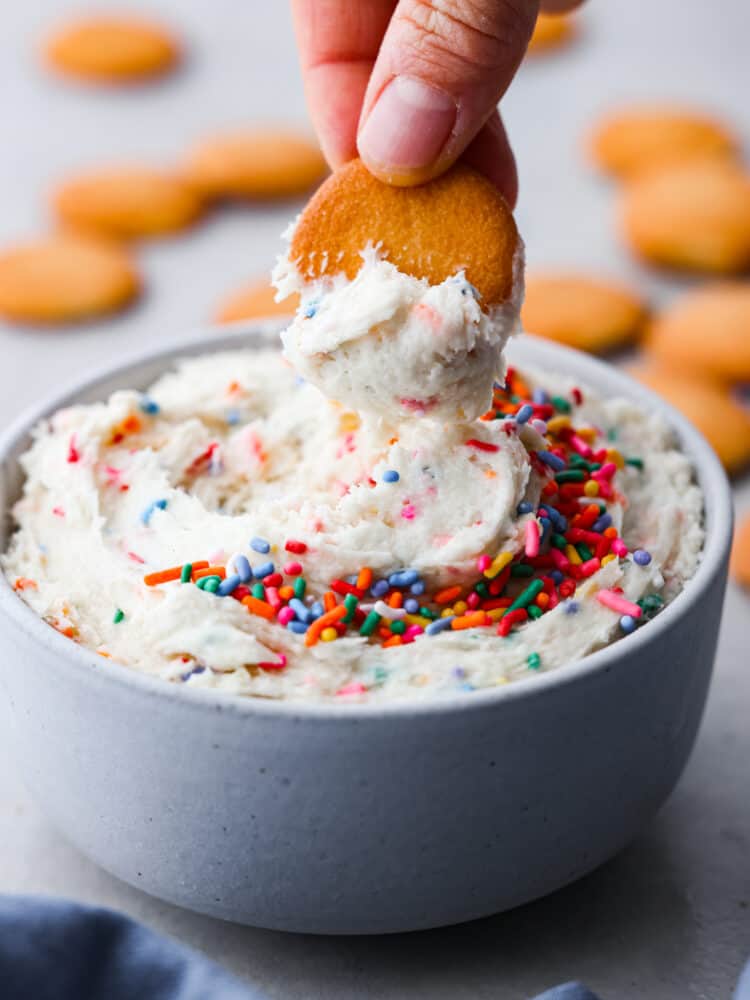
629	141
740	559
693	216
256	163
125	203
588	313
459	221
723	421
550	32
64	279
256	301
109	49
707	331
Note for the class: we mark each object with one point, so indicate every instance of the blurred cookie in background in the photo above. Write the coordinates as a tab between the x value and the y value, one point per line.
255	301
707	331
126	203
690	216
551	31
740	559
256	163
723	421
634	139
590	313
64	279
112	49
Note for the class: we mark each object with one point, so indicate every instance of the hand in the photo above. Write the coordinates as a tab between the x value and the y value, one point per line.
412	85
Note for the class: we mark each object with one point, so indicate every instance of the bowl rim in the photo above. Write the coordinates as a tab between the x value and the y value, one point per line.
711	477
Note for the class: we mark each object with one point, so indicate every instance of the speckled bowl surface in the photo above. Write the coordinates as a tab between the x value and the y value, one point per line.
361	818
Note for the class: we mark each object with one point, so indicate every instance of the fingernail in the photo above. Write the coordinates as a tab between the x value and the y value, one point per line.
408	126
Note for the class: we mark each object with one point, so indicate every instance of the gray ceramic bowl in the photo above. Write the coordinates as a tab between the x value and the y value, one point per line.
362	819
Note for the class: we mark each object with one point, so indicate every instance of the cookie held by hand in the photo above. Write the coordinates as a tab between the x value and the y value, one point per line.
457	222
255	301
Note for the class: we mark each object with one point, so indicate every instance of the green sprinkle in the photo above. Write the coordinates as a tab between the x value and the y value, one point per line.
398	627
576	460
187	573
612	434
527	596
427	613
635	462
482	589
570	476
534	661
515	399
119	615
558	541
534	611
300	586
379	675
521	569
259	591
560	404
211	584
652	602
350	603
584	551
368	627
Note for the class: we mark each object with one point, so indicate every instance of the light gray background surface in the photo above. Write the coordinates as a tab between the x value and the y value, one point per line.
670	917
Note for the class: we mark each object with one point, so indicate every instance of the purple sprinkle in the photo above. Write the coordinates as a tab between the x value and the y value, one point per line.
572	607
642	557
379	588
411	606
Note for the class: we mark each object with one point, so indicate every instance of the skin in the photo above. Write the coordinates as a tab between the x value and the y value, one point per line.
452	61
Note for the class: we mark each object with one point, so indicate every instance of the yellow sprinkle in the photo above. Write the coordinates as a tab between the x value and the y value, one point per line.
416	620
497	613
572	553
613	455
498	564
460	607
348	422
500	681
591	488
587	433
558	423
329	634
608	558
446	612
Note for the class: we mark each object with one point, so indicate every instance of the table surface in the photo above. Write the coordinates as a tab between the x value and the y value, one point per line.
669	917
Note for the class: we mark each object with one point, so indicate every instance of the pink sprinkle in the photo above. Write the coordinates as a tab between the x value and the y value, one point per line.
58	511
217	556
293	568
352	688
532	538
408	512
74	454
274	666
431	317
483	563
473	599
417	405
136	558
581	446
619	547
285	615
272	597
412	631
559	559
589	567
606	472
616	602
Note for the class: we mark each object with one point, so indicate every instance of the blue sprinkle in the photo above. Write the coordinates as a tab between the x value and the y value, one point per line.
642	557
439	625
379	588
411	605
557	576
602	522
299	627
560	522
627	624
149	405
261	572
260	545
154	505
417	588
391	476
316	609
571	607
540	396
467	687
226	587
525	413
553	461
524	507
459	672
298	380
301	610
311	310
404	578
546	528
242	568
233	417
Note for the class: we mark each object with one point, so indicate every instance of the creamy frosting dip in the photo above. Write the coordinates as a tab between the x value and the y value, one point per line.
235	529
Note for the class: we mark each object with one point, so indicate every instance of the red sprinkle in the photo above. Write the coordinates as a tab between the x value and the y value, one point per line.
482	445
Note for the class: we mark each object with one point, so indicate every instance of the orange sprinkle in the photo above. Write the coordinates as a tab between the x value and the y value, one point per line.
610	532
364	578
313	633
286	593
396	599
447	595
24	583
395	640
256	607
490	474
384	632
329	600
542	600
470	621
130	425
209	571
165	575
